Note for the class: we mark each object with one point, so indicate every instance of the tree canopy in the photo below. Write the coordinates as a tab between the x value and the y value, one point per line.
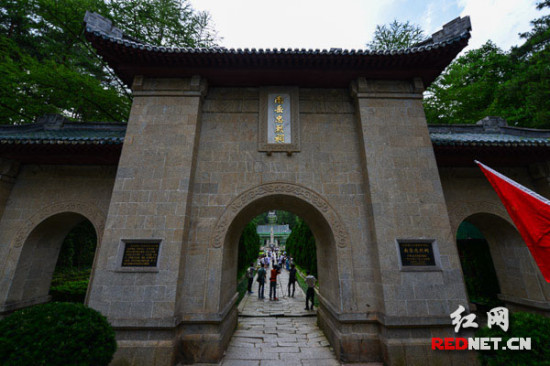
487	81
47	66
396	35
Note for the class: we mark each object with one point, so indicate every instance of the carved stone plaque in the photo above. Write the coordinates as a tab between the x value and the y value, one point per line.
417	254
279	128
140	254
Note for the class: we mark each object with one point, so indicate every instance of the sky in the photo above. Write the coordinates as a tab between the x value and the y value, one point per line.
350	24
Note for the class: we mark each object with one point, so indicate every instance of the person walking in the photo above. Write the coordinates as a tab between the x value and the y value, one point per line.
261	281
273	283
250	275
310	294
292	280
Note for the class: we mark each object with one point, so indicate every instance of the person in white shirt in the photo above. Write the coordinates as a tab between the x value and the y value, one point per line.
310	294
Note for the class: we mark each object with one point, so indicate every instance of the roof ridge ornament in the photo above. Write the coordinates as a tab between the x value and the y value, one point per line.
492	123
96	22
52	121
455	28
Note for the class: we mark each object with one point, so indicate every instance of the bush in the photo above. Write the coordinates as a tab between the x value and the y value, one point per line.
523	325
70	291
56	334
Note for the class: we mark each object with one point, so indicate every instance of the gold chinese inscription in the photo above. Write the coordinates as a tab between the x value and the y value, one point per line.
417	254
140	255
279	129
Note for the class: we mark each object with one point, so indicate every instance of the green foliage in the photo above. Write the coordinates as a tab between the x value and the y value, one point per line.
56	334
47	66
71	291
73	268
301	246
164	22
78	248
479	272
523	325
487	81
396	35
249	247
242	288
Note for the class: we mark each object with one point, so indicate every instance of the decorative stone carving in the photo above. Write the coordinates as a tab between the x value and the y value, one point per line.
459	211
338	228
91	212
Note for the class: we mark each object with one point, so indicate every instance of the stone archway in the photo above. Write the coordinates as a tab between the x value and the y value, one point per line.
327	227
35	250
333	256
521	283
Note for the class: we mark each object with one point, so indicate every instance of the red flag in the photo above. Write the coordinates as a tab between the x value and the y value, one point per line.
529	211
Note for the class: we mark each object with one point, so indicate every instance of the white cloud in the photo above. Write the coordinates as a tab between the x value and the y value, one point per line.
499	20
294	23
351	23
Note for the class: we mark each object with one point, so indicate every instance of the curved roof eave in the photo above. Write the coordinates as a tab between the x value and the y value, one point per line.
254	67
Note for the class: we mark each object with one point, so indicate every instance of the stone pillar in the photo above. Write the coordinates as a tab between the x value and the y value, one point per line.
407	203
150	204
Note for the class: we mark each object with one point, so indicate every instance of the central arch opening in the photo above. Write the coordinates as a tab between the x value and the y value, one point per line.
326	260
311	215
276	245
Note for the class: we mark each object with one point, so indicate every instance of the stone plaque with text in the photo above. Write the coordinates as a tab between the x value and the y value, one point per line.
140	255
417	254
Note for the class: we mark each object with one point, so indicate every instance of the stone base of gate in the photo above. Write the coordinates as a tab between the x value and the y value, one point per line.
144	353
411	343
515	304
353	336
204	340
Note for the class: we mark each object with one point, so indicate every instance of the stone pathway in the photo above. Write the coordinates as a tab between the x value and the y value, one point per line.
287	306
278	332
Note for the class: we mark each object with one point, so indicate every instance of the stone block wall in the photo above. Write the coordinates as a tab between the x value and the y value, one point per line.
44	203
470	197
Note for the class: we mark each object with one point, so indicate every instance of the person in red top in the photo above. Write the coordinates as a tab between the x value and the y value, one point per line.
273	283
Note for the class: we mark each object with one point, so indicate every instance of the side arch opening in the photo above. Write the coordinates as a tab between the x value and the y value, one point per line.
40	252
519	284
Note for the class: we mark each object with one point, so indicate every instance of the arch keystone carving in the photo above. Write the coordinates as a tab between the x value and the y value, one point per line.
305	194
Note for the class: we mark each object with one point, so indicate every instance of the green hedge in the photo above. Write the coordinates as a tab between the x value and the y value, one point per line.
70	291
56	334
300	245
525	325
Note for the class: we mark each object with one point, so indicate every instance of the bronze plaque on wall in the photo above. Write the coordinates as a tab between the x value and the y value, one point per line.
417	254
140	255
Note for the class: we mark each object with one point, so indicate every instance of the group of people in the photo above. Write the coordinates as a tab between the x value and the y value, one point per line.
276	263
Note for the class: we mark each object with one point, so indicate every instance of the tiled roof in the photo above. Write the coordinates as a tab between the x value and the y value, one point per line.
335	67
57	130
489	132
485	139
277	229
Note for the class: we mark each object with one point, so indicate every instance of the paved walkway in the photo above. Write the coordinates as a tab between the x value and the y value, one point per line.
278	332
287	306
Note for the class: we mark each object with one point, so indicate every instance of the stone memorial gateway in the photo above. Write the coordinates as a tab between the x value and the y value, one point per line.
218	136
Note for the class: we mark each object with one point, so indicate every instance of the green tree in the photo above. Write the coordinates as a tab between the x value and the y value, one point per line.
486	81
47	66
301	246
465	92
164	22
249	247
396	35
